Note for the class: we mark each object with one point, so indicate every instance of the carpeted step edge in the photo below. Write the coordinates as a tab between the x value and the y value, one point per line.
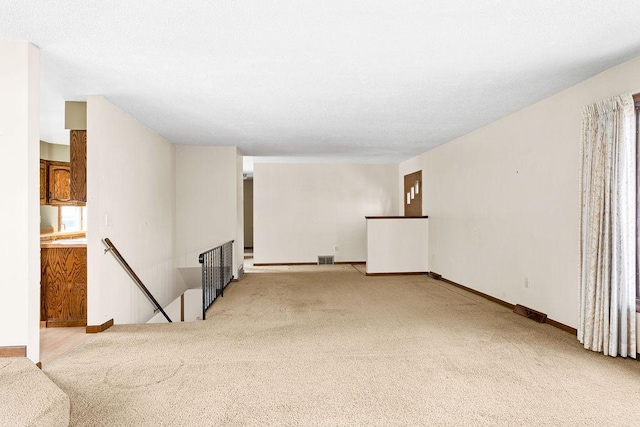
29	397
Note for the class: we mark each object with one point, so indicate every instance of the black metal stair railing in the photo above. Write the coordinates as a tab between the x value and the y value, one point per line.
111	248
216	273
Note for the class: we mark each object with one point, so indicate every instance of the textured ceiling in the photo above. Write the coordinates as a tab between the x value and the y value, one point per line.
341	80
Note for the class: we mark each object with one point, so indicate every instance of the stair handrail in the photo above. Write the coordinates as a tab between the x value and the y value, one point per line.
114	251
217	265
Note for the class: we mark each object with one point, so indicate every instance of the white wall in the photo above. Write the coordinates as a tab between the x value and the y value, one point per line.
208	204
503	201
305	210
239	240
172	310
49	217
131	200
192	308
57	152
193	305
19	183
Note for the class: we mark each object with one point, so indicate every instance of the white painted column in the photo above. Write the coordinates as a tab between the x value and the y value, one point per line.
19	186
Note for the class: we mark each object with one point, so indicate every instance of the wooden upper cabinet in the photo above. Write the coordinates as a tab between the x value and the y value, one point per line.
59	175
78	155
43	182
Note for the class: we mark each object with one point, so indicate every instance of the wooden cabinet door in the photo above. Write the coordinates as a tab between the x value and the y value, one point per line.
78	155
43	182
60	184
64	286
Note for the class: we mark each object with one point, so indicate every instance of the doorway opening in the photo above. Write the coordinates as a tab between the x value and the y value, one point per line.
248	220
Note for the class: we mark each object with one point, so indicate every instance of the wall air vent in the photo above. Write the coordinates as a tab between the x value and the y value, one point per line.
325	259
530	313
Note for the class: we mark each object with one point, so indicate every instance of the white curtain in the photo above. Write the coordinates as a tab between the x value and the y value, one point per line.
608	228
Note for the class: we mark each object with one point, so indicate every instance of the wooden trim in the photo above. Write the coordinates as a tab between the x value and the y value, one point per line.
13	351
395	217
39	365
549	321
182	308
94	329
562	326
52	323
636	98
409	273
277	264
283	264
58	163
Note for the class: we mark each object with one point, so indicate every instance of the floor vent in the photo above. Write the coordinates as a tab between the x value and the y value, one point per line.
530	313
325	259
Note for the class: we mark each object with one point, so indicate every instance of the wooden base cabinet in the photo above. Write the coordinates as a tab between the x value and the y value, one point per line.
64	286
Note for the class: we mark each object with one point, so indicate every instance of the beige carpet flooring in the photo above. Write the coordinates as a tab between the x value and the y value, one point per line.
330	346
28	397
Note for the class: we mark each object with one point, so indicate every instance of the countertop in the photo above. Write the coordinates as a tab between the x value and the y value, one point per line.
65	243
64	239
395	217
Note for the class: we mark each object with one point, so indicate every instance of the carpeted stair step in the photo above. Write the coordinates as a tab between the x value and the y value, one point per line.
28	397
